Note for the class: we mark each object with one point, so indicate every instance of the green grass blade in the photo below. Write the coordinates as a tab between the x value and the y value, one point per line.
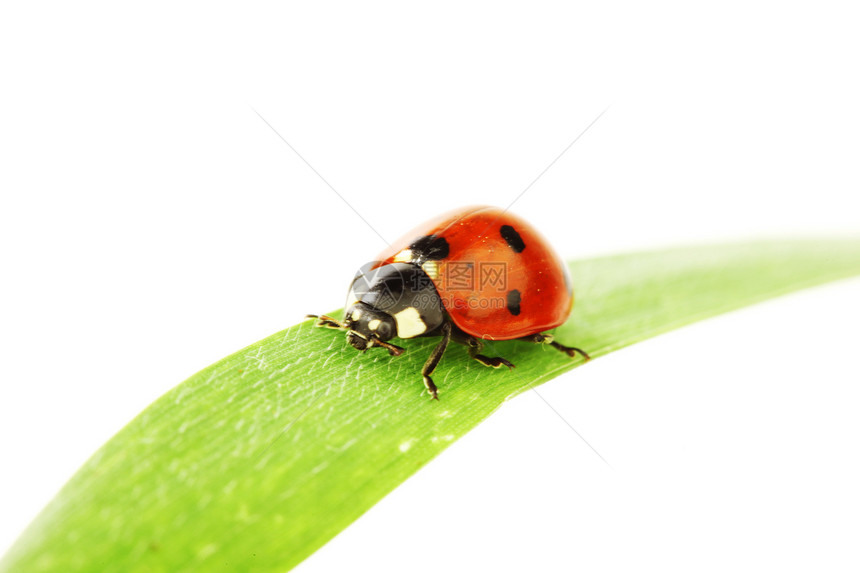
258	460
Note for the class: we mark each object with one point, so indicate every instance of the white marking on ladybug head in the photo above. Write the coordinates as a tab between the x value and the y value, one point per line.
404	256
374	324
409	323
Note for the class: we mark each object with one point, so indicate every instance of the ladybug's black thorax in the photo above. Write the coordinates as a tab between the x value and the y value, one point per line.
398	294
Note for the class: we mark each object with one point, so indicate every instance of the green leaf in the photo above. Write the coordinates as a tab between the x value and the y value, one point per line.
258	460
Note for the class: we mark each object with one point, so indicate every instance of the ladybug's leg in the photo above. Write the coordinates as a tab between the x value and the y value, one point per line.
434	359
541	338
475	346
571	351
393	349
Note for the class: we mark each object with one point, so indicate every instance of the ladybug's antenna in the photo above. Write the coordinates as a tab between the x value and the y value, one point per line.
328	322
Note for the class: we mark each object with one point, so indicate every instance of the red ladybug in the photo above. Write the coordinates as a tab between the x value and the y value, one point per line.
474	274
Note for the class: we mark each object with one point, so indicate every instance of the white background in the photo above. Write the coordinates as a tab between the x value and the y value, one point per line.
152	224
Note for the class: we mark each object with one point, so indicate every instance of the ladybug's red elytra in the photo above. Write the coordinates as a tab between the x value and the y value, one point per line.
473	274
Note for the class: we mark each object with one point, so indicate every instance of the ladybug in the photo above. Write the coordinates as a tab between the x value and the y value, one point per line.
474	274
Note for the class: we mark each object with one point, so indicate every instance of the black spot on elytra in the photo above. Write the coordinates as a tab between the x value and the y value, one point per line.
429	248
514	302
512	238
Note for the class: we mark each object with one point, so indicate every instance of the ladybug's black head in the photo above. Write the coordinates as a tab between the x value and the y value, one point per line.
366	322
